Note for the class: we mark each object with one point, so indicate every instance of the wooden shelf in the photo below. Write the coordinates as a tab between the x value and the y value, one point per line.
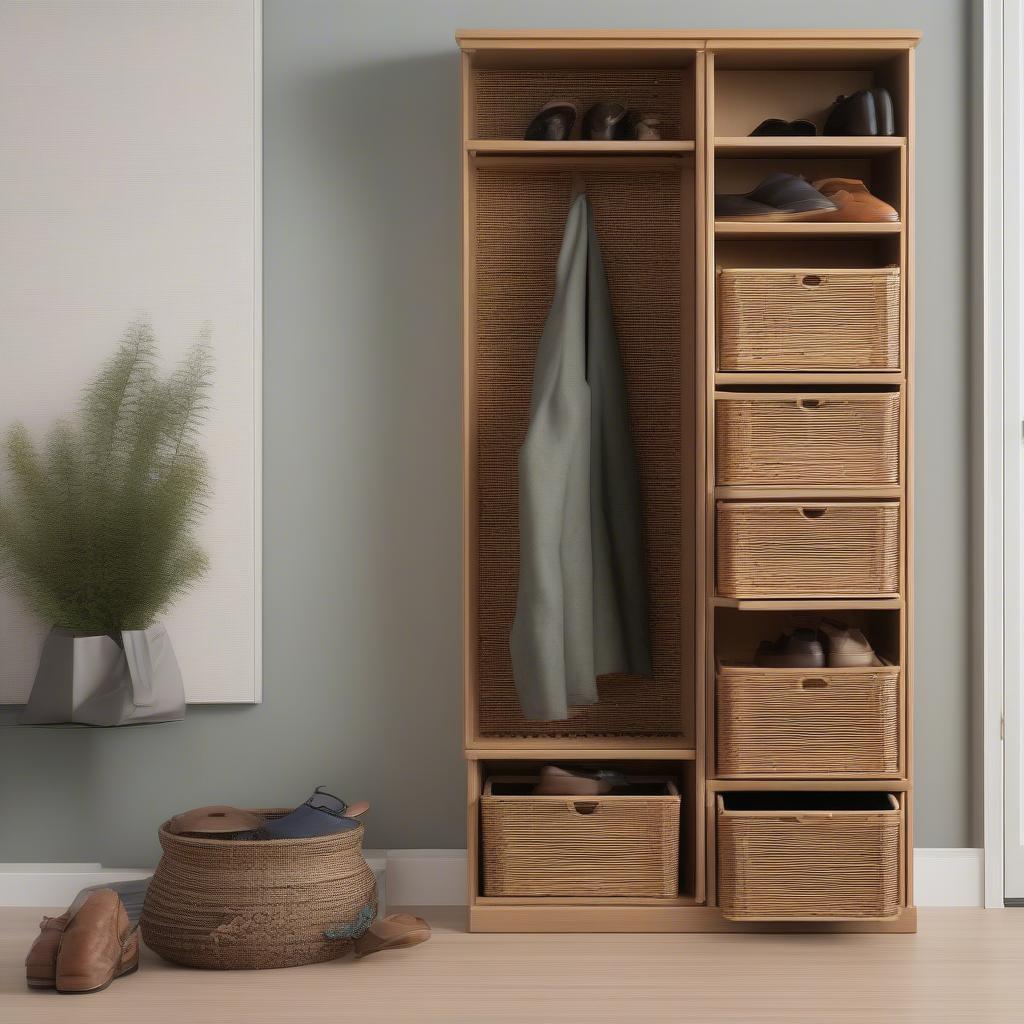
819	145
725	379
578	147
776	229
896	785
812	493
552	751
822	604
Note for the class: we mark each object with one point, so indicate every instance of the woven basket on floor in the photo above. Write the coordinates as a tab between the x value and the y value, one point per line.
820	438
792	550
236	904
803	320
581	846
829	860
828	722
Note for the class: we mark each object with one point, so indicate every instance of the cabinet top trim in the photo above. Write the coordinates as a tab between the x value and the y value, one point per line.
690	39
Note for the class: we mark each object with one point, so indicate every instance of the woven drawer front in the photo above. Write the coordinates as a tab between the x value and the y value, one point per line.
783	549
807	439
825	722
809	866
580	846
793	319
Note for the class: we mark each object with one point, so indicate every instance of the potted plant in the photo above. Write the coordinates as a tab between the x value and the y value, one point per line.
97	534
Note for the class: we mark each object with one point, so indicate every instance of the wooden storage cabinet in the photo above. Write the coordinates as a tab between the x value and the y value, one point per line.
769	370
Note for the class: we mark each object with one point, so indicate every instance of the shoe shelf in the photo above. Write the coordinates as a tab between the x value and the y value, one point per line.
578	147
653	204
752	229
818	145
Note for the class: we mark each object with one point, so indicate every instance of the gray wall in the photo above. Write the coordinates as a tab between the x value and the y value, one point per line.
361	470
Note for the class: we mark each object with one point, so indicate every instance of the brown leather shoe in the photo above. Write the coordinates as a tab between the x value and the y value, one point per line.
41	962
855	204
99	944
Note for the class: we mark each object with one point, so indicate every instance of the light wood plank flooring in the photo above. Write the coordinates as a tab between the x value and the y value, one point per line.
963	965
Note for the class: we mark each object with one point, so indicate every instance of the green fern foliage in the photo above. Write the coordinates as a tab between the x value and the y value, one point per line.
97	524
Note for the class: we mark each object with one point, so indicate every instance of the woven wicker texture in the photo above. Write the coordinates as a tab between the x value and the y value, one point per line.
230	904
797	320
519	219
784	549
809	867
801	440
826	722
611	846
505	101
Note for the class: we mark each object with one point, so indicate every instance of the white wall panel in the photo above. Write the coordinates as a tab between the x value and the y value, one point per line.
129	185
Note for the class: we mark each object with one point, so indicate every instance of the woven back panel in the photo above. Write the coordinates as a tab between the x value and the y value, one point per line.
782	440
505	101
544	846
825	722
808	868
787	550
518	228
809	319
238	904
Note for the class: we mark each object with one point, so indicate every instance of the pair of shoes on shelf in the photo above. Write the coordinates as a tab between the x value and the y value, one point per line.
556	781
785	197
603	121
85	948
832	644
866	112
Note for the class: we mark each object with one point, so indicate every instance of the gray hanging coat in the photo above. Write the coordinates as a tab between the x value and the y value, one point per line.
581	608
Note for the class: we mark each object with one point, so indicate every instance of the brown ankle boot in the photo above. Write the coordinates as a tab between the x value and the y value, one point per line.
99	944
41	962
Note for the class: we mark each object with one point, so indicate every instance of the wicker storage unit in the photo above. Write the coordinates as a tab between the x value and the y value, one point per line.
794	550
805	439
615	846
814	856
238	904
804	320
838	722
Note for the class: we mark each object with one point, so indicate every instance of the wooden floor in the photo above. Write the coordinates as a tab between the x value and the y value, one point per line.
963	965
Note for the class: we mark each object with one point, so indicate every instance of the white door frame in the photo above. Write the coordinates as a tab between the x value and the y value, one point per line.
997	395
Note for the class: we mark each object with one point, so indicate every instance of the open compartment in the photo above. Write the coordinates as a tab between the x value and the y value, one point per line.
752	85
643	210
809	856
506	93
635	844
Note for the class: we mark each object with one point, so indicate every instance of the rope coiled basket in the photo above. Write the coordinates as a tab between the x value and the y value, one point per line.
248	905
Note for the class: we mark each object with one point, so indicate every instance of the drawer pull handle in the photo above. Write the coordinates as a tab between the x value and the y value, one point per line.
809	403
588	807
813	513
814	684
811	281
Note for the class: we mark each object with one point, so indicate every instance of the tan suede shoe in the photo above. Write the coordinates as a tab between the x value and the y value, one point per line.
855	204
98	945
41	962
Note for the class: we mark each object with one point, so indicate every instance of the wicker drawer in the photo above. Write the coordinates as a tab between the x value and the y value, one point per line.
580	846
807	439
794	550
840	722
816	856
803	320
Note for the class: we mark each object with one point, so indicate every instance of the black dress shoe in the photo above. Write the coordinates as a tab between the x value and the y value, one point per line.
640	126
866	112
553	123
602	120
779	197
775	126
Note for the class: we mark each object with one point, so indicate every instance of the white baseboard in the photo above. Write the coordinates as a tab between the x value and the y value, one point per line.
434	878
